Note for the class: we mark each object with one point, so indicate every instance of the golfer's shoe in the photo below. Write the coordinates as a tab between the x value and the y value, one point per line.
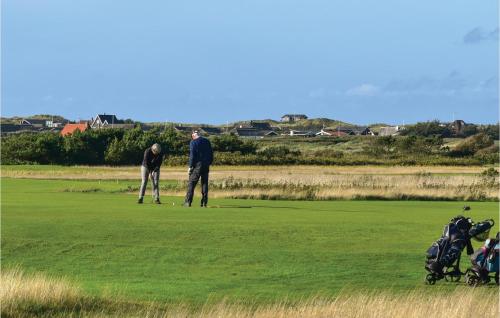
186	205
139	201
157	201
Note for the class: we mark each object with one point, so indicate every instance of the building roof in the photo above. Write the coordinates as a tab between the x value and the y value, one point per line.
260	125
270	133
9	128
202	130
253	132
357	130
248	132
71	128
331	132
110	119
25	121
294	115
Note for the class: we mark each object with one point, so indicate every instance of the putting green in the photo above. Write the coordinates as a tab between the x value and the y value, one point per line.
246	250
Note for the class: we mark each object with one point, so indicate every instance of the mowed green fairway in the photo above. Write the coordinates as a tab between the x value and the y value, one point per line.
246	250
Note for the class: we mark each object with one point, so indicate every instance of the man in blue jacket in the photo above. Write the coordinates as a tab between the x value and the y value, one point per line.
200	159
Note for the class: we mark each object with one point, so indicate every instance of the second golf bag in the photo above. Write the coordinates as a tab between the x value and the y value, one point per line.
443	257
485	262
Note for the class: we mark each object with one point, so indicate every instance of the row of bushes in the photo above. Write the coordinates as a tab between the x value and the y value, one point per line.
105	146
436	128
119	147
345	160
411	150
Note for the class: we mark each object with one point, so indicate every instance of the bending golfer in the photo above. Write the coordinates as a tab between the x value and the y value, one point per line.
153	158
200	159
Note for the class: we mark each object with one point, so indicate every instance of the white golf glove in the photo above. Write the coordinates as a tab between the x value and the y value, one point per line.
190	170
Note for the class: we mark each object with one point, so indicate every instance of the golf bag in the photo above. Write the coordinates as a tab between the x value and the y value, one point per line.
443	257
481	231
485	261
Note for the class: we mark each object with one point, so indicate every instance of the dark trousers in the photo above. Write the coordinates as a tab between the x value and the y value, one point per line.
199	171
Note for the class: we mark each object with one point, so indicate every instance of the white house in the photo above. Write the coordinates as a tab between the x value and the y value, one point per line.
105	121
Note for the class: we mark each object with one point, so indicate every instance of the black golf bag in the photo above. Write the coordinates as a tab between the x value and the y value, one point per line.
443	257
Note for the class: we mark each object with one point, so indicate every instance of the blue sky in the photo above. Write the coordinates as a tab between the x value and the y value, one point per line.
214	61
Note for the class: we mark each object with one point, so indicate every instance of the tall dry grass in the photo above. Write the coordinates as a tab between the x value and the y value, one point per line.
348	187
304	182
222	172
21	293
471	303
35	295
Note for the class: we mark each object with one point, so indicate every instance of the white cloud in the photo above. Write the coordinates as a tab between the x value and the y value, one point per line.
363	90
478	35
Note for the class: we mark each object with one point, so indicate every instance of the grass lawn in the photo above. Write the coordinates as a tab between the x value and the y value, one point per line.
244	250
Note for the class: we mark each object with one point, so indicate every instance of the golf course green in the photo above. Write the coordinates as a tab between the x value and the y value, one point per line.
95	234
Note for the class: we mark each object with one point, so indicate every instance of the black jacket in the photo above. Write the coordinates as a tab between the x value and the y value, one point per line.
200	150
152	161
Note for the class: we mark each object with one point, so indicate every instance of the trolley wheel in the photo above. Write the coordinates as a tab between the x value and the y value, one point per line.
430	279
471	279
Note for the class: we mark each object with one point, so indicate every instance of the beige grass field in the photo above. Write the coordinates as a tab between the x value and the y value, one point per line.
28	295
302	182
221	172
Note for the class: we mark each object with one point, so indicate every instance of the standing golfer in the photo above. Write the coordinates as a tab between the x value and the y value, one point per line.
200	159
153	158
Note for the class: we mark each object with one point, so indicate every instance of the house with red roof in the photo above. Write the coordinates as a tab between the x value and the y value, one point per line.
71	128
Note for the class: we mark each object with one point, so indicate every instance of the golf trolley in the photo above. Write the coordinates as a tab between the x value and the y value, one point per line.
450	274
443	257
485	263
473	277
